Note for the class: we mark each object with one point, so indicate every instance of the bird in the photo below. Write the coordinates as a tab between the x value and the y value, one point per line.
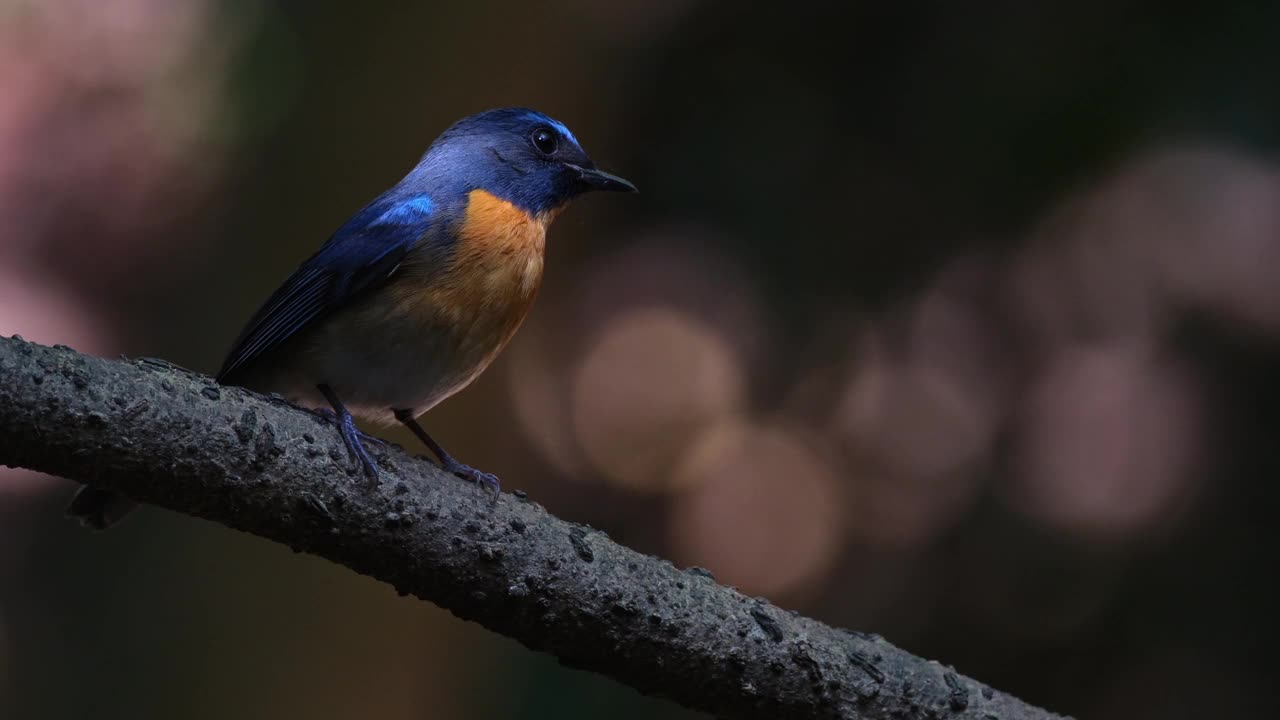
416	294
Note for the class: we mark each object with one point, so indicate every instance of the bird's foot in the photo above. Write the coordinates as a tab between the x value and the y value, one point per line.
330	416
488	481
352	437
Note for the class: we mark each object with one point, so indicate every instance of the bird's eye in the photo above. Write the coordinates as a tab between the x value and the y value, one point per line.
544	140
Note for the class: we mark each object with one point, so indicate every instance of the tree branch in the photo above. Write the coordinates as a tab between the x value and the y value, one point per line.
170	437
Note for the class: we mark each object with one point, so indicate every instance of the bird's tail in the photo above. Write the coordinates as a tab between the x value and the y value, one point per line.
97	508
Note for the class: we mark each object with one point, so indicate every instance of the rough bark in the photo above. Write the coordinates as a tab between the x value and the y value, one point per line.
173	438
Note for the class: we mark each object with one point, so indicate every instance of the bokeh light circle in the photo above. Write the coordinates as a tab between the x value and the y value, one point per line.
648	384
766	510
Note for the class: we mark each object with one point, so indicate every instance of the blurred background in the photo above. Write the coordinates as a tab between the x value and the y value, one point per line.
956	323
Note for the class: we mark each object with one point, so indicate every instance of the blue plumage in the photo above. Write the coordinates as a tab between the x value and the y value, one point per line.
420	290
489	151
361	254
413	209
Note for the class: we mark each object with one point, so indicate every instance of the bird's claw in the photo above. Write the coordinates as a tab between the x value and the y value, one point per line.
488	481
361	456
352	437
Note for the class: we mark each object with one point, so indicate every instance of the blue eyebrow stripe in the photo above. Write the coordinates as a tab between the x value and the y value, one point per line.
559	126
415	208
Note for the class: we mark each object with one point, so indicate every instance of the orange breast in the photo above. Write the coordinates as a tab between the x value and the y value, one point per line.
489	285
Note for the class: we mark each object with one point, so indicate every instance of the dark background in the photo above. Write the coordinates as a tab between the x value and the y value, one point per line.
954	322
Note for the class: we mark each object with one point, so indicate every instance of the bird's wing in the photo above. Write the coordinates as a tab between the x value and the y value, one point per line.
361	255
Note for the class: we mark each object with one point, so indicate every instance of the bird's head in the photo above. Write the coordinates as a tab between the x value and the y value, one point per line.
517	154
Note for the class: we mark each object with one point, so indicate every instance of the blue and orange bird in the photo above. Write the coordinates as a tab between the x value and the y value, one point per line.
413	297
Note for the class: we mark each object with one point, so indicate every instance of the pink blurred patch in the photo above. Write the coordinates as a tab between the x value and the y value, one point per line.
33	308
1109	442
926	395
105	120
1185	224
1226	247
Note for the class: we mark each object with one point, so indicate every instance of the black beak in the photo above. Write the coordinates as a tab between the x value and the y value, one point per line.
597	179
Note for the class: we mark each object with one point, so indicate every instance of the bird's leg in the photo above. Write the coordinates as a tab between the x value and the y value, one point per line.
447	463
350	435
330	416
